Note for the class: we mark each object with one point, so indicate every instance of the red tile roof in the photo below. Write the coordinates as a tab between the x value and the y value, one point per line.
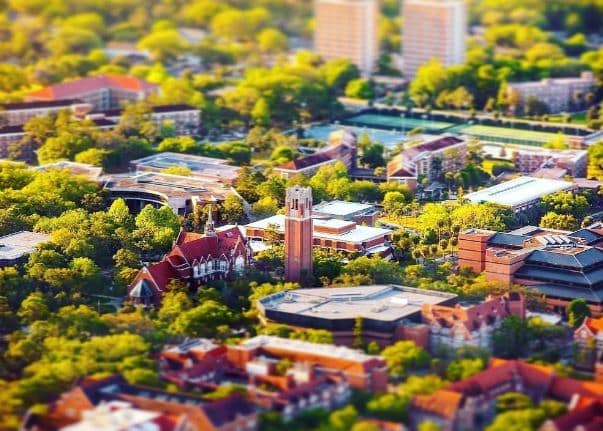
77	87
588	417
442	403
595	325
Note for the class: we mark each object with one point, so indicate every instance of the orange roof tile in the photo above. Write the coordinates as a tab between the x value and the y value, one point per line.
595	325
443	403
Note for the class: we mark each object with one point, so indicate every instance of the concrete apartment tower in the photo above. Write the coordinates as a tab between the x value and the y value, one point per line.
348	29
298	234
433	29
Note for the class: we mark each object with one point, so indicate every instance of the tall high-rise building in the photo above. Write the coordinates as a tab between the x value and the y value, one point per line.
348	29
298	234
433	29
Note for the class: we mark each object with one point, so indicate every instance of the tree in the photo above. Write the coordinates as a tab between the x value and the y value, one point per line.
232	210
577	310
511	339
375	269
464	368
181	144
567	203
360	89
403	356
513	401
429	426
33	308
63	147
164	44
271	40
173	304
343	419
358	337
203	320
552	220
93	156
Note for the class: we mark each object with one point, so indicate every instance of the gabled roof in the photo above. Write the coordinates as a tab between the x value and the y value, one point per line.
587	257
588	235
305	162
588	417
72	89
595	325
442	403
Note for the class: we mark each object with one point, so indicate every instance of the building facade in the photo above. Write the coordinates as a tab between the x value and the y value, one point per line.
348	29
14	114
112	404
433	29
108	91
472	325
193	260
535	159
430	159
558	94
561	266
298	234
341	147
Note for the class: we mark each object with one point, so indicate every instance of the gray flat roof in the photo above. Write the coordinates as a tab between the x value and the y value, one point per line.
518	191
18	244
199	165
388	303
341	208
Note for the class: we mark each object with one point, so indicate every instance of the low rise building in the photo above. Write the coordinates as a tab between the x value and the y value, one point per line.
534	159
430	159
201	167
359	213
107	91
113	404
558	94
519	194
560	265
471	325
93	173
9	135
193	260
471	403
341	147
15	248
185	119
389	313
18	113
332	234
180	193
287	381
584	414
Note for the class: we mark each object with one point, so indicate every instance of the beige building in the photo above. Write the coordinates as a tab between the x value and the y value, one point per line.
557	94
433	29
348	29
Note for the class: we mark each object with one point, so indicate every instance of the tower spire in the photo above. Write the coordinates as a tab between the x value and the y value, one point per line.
210	228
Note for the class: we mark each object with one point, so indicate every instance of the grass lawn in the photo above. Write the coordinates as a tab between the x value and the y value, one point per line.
577	118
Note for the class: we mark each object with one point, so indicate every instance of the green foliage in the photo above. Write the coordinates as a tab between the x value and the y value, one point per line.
552	220
404	356
360	89
464	368
576	311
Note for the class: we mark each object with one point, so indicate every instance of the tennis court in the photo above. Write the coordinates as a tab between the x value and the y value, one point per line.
394	122
389	138
506	135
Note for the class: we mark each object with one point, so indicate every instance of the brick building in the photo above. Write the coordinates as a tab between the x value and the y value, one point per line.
534	159
330	234
430	159
312	379
106	91
15	114
562	266
471	325
298	234
341	147
194	259
185	119
389	312
471	403
111	404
